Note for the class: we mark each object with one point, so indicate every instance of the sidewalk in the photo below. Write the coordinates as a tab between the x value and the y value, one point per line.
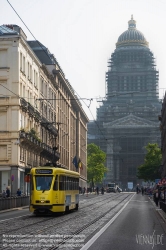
159	211
13	209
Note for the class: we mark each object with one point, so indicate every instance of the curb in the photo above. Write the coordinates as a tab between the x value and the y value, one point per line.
13	209
159	211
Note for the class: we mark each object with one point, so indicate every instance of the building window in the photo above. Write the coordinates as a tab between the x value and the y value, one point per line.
20	61
36	80
22	154
42	86
28	71
23	69
30	76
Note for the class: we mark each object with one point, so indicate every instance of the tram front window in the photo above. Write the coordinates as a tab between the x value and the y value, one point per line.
43	182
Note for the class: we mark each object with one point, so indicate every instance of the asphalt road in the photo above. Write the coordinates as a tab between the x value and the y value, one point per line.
137	227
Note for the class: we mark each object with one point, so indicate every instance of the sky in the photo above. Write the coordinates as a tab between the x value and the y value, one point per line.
82	35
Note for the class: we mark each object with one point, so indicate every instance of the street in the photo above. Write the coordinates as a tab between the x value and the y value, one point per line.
118	221
138	227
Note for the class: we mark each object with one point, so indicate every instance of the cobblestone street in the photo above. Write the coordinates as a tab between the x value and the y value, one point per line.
69	231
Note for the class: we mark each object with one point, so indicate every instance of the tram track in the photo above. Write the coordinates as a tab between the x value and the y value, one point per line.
80	230
24	220
66	220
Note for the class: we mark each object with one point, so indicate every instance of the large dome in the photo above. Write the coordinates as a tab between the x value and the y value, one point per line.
132	36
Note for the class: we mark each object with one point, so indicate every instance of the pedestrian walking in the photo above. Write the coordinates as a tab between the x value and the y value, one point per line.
102	190
162	196
84	190
7	192
87	192
142	190
137	189
18	192
156	197
97	190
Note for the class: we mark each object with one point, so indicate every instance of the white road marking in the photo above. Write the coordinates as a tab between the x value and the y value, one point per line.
140	201
96	236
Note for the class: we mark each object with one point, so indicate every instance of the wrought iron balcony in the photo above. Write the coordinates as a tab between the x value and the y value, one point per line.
37	116
31	110
49	126
24	104
49	153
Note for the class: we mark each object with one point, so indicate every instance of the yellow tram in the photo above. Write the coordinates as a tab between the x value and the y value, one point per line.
53	189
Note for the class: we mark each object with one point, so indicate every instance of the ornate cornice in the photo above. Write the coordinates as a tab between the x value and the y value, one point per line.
49	76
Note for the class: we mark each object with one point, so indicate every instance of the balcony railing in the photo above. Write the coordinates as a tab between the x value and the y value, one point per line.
24	104
45	150
37	116
31	110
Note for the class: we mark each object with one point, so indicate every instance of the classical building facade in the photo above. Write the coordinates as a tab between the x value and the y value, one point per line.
41	117
127	120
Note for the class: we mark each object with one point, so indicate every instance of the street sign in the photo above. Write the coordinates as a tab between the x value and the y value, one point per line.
157	181
27	178
130	185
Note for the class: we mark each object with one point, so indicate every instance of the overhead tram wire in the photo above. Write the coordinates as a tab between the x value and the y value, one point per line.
84	98
36	39
126	93
9	90
28	29
92	116
49	58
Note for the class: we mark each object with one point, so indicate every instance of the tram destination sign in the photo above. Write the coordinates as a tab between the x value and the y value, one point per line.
43	171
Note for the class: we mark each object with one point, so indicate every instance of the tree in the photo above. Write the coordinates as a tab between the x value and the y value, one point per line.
149	171
95	164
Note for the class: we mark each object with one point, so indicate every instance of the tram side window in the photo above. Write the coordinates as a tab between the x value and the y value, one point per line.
61	182
69	183
76	188
55	187
77	184
65	183
74	183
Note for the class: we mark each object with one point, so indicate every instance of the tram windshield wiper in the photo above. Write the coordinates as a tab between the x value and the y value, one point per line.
43	190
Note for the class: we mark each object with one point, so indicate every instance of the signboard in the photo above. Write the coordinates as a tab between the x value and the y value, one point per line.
130	185
157	181
12	177
27	178
43	171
